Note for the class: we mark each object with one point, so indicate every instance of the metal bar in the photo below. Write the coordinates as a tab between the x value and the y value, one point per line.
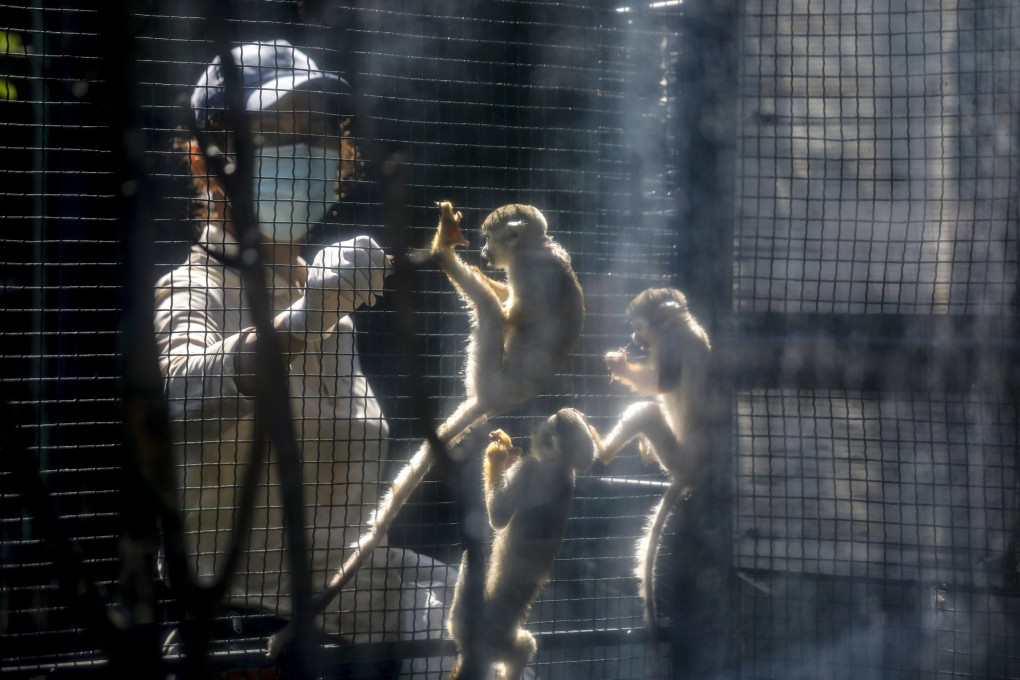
872	352
334	655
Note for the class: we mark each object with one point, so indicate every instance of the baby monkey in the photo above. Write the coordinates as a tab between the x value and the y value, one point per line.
522	329
672	427
528	499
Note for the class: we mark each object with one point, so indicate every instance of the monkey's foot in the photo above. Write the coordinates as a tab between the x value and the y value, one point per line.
449	235
646	451
603	455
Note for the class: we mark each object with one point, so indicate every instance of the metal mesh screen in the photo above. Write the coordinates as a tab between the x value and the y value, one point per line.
871	527
890	487
864	521
876	157
834	185
517	102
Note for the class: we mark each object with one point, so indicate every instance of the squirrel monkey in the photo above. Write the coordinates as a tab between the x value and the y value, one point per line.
528	500
671	427
522	329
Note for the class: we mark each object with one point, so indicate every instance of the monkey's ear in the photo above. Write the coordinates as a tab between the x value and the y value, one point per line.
516	227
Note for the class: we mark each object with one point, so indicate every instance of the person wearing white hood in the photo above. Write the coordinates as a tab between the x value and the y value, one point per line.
206	337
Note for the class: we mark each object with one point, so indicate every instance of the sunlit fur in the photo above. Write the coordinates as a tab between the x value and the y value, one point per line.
528	500
522	329
671	427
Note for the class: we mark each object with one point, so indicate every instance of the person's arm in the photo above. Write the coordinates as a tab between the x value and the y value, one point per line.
341	278
245	360
196	350
202	365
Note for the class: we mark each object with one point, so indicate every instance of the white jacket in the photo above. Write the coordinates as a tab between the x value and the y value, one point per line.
341	433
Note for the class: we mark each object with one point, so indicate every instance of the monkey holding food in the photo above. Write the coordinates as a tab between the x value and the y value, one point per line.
522	329
672	427
528	500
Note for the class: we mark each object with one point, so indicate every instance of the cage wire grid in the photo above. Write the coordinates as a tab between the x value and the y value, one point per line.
865	155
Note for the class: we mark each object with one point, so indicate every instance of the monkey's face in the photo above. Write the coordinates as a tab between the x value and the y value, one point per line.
645	334
501	241
568	435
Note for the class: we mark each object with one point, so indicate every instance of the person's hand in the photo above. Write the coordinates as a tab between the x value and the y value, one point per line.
371	267
341	278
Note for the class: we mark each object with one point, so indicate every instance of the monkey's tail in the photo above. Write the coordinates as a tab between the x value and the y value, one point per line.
467	416
648	549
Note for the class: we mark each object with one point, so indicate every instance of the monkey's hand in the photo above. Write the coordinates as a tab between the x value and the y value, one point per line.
618	365
500	455
640	377
448	234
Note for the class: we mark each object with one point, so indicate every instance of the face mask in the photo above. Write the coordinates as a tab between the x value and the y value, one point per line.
293	188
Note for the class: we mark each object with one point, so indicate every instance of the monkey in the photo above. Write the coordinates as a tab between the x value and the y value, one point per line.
528	501
522	330
672	428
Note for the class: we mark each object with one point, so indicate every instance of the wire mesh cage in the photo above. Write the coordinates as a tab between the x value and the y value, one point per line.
833	185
